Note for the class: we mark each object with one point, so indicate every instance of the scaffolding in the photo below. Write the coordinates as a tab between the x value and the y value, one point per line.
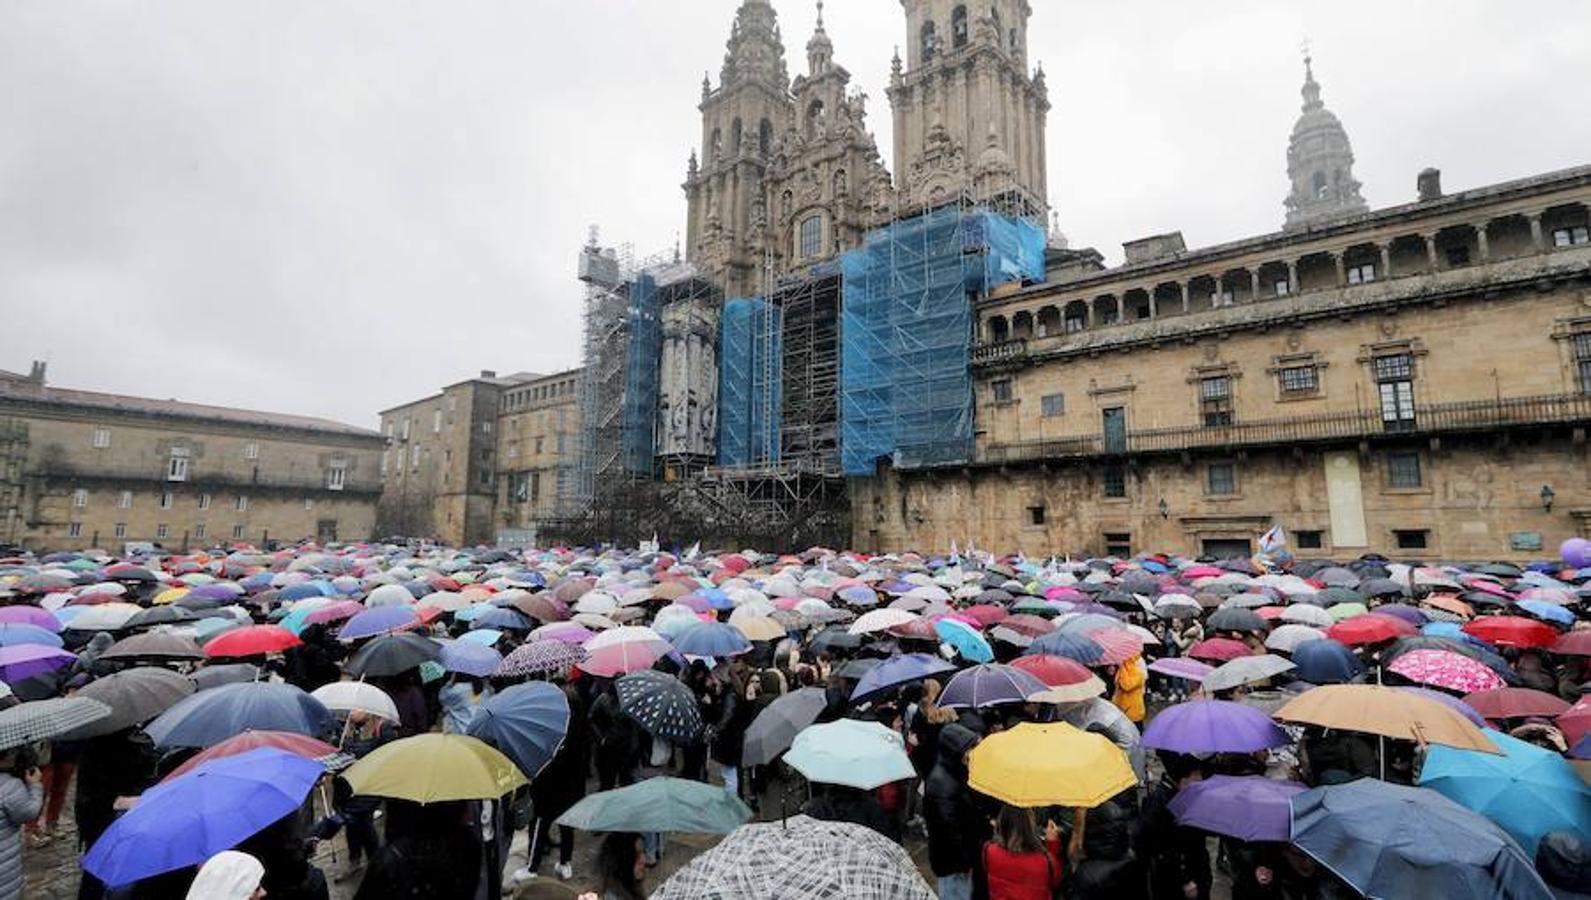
809	313
749	358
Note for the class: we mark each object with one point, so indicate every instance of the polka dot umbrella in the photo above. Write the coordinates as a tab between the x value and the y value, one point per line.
661	704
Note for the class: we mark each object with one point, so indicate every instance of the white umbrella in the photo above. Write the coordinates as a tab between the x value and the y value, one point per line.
1307	614
597	602
103	617
1244	670
1286	638
881	620
356	696
389	595
447	601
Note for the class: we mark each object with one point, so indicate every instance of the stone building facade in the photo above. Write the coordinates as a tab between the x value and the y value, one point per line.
89	469
538	435
1413	381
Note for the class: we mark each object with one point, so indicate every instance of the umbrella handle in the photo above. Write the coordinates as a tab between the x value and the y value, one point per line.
535	832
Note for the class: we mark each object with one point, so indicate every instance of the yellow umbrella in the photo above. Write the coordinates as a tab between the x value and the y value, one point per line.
1375	709
759	628
1049	765
171	595
433	768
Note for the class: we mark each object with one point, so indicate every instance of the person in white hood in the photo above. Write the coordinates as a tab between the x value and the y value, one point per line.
229	875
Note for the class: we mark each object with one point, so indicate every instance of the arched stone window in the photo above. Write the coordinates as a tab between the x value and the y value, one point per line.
840	187
765	137
815	119
715	144
786	200
998	329
809	239
734	138
958	26
1317	184
929	39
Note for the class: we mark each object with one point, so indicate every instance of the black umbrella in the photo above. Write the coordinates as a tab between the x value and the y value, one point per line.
856	668
1382	587
230	673
134	697
154	645
835	638
775	728
662	705
1235	618
160	615
1334	595
393	654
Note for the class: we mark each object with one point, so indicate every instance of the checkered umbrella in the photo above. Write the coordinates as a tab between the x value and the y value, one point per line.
541	657
45	719
662	704
801	857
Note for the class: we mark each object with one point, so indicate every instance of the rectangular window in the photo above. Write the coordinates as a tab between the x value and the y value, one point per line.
811	237
241	504
535	486
486	427
1299	380
436	421
1036	515
1118	544
1570	237
1215	401
389	429
406	427
1582	360
414	457
1221	478
125	501
1115	482
519	485
1395	384
198	530
1053	405
251	450
237	532
162	531
1073	324
538	445
101	438
120	529
1458	256
204	501
1283	289
1308	540
486	478
1362	274
80	498
1223	298
177	466
74	529
513	449
383	464
166	499
1002	390
1411	539
334	477
1403	469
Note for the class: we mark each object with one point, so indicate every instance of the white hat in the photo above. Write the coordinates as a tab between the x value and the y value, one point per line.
228	875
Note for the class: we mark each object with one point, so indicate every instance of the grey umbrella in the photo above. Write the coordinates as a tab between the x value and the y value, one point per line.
775	728
1234	618
233	673
134	697
45	719
154	645
1244	670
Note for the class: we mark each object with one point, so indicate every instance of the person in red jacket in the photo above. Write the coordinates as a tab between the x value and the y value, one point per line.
1020	864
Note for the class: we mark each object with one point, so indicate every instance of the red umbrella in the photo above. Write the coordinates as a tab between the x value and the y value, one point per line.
1028	624
1270	612
297	744
985	614
1369	628
923	629
1120	645
1219	649
94	599
1512	631
1576	723
1054	671
254	640
1516	703
1575	643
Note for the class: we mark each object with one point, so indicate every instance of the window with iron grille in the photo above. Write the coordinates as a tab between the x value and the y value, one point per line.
1569	237
1403	469
1582	360
1115	481
1395	384
1215	400
1053	404
1298	380
811	236
1412	539
1118	544
1221	478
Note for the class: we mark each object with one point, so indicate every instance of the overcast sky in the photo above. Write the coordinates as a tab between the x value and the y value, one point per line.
330	207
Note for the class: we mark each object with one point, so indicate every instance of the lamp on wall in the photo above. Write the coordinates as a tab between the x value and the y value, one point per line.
1165	511
1547	496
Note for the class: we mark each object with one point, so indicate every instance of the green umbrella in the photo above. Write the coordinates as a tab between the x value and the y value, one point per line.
660	804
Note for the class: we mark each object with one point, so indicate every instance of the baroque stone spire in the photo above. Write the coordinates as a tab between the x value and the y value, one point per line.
1319	163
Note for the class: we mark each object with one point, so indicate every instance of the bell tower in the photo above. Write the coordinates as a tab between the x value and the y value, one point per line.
1319	163
969	118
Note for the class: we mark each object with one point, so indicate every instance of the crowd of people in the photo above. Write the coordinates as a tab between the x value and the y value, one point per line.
1155	727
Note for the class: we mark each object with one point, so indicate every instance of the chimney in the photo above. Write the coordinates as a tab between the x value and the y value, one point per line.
1429	183
488	373
36	374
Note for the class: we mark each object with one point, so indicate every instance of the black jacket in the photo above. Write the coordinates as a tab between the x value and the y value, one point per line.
1175	855
956	827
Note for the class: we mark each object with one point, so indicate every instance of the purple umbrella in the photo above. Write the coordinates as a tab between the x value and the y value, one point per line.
470	658
1213	726
1249	808
381	620
898	670
988	685
1181	667
539	657
1450	701
1402	611
31	615
565	633
21	661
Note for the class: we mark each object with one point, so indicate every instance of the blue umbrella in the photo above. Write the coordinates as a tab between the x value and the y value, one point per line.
468	613
205	629
305	589
486	637
898	670
858	595
1582	749
1391	841
850	752
716	598
470	658
1547	612
527	722
660	805
1326	662
501	617
1529	791
381	620
966	639
1076	647
211	716
714	639
20	633
185	821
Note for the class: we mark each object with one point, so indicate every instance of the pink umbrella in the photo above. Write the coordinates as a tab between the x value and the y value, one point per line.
985	614
1445	669
621	659
335	612
31	615
1069	594
1119	643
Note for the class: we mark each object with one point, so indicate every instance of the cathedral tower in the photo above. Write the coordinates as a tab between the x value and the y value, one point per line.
1320	164
968	116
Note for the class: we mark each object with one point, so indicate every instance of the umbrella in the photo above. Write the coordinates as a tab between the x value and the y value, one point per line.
1235	618
989	684
1077	647
662	705
1515	703
378	620
833	638
1576	723
255	640
1182	667
211	716
1249	808
528	722
1541	609
1512	631
154	645
1326	662
712	639
1286	638
356	696
1218	649
759	628
1447	700
1177	606
1340	611
541	658
1373	709
392	654
849	752
1445	669
30	615
214	676
470	658
628	634
800	857
134	696
502	617
965	639
1370	628
43	720
21	661
185	821
620	659
1575	643
1304	614
1245	670
772	732
160	615
1391	841
12	633
435	768
1212	726
1049	765
1527	790
898	670
328	756
1119	645
880	620
660	804
1054	671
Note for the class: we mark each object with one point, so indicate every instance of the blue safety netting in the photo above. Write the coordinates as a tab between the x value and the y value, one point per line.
642	375
906	332
748	383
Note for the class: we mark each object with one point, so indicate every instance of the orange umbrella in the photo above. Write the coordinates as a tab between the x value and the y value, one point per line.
1449	603
1375	709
